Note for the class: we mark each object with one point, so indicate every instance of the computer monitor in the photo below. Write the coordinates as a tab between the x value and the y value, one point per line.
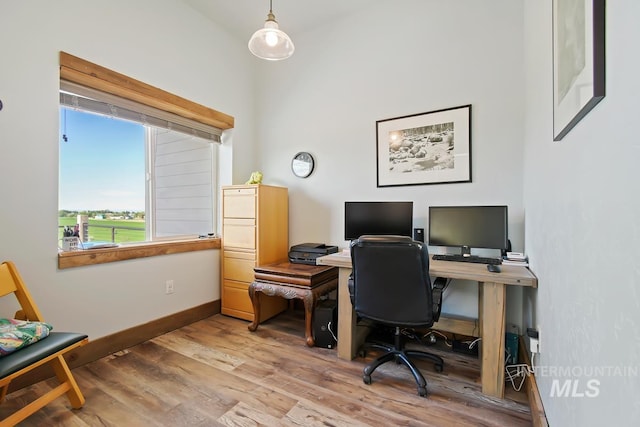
388	218
469	227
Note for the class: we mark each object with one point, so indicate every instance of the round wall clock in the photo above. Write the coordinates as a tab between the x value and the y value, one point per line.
302	164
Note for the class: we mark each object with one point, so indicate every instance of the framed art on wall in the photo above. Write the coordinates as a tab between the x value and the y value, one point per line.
578	61
425	148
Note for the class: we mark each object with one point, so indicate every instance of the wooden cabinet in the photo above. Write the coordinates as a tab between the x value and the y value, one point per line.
255	231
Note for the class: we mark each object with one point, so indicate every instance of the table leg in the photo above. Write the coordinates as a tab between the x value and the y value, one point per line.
309	304
255	301
493	335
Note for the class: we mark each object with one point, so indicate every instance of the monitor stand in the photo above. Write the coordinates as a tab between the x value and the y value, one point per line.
466	251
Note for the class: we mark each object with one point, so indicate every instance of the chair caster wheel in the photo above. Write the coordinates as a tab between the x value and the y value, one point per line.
362	353
367	379
422	391
439	368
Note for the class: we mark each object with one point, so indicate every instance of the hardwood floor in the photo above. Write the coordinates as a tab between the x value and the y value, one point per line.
215	372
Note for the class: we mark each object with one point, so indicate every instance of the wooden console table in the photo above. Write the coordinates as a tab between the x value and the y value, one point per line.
293	281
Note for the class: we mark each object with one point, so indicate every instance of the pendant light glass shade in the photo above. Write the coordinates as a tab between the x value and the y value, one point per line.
270	42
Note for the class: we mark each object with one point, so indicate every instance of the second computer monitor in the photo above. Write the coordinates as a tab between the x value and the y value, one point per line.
469	227
388	217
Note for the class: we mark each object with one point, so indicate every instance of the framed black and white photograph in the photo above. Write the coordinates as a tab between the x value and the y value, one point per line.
425	148
578	61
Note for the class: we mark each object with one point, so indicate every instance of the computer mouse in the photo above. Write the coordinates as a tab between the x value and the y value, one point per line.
493	268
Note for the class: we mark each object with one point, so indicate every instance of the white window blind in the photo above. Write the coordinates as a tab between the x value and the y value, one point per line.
80	97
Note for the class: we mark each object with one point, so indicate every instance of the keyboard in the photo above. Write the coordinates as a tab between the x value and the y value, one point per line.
472	258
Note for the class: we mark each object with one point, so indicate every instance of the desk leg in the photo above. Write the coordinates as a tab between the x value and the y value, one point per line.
493	330
347	346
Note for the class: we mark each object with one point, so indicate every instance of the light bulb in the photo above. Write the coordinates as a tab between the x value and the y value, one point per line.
271	38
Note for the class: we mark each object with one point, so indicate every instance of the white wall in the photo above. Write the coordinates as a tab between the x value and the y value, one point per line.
396	59
162	43
582	227
579	202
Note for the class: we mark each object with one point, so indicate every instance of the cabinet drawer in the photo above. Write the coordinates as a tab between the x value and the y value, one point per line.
250	255
246	222
239	236
239	203
238	269
236	302
235	296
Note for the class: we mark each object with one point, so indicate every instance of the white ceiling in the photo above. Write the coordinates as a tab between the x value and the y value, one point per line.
243	17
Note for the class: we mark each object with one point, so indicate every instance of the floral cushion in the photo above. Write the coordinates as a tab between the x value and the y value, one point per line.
16	334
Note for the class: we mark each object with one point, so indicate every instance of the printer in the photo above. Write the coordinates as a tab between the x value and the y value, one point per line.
306	253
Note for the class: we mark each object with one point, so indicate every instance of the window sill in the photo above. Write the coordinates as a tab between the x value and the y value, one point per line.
132	251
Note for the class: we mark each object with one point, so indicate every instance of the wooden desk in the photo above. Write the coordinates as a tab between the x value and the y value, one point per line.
491	310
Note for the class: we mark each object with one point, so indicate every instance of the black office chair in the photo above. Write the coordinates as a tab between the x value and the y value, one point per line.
390	285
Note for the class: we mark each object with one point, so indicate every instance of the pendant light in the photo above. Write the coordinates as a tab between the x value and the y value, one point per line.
270	42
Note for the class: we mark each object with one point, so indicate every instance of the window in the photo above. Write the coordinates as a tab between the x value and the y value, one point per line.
182	184
133	181
168	148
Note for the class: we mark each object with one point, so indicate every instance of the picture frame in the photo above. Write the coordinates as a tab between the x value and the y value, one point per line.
425	148
578	61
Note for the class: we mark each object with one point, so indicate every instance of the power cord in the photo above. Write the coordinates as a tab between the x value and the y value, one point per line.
521	370
446	339
410	333
469	343
331	332
513	372
474	342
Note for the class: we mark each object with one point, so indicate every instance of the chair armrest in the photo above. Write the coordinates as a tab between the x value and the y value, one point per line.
350	287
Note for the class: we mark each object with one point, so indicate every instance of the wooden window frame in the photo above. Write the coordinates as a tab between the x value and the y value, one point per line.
80	71
85	73
132	251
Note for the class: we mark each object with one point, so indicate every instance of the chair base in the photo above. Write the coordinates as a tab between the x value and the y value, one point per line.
401	355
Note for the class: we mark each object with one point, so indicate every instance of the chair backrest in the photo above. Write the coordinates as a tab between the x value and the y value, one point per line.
391	280
11	282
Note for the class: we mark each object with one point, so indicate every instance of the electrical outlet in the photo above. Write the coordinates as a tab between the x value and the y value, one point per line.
539	338
169	287
534	340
